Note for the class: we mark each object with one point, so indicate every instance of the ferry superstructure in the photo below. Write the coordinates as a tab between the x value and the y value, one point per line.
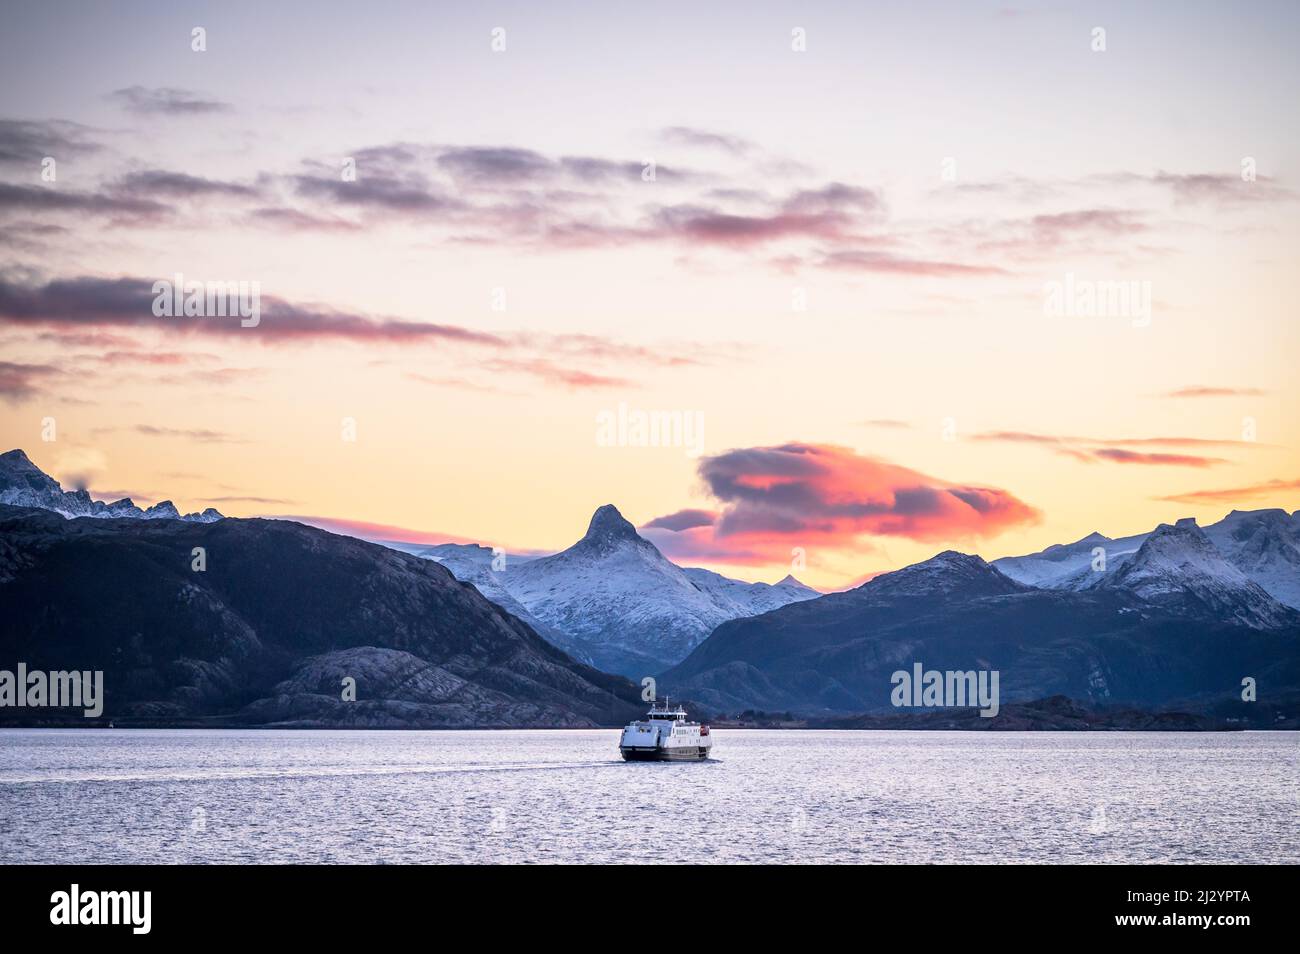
665	735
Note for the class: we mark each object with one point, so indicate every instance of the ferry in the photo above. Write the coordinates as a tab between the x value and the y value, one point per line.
665	735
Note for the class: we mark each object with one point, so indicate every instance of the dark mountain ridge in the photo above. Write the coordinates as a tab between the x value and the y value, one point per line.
267	632
1108	646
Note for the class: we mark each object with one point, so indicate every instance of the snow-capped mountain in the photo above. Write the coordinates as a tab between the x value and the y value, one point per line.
612	599
748	599
1178	566
1054	567
1173	621
23	484
479	566
947	575
1263	545
266	637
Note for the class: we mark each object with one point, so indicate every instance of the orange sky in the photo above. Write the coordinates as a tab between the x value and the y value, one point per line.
841	266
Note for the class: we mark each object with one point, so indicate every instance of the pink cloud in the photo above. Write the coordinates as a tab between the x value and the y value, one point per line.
800	494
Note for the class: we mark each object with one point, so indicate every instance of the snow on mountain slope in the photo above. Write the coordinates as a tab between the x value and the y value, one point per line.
474	564
1178	565
748	599
1263	544
635	611
1059	566
612	600
23	484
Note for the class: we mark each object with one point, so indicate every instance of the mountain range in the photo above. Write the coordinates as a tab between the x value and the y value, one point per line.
280	614
612	599
1262	545
268	630
23	484
1173	620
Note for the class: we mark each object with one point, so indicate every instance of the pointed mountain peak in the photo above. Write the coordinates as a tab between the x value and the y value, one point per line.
17	471
17	463
608	524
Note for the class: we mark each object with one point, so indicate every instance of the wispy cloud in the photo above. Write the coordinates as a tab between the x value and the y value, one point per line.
39	199
168	101
552	373
179	185
105	302
20	382
1207	391
1232	495
1117	449
706	139
202	435
1121	456
276	501
27	142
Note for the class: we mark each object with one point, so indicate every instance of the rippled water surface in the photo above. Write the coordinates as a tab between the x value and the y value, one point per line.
88	796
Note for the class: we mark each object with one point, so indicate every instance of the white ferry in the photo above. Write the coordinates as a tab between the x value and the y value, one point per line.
665	735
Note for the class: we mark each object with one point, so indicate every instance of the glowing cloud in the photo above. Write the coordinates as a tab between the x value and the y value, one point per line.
800	494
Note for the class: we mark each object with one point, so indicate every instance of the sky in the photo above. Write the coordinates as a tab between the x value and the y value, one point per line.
866	258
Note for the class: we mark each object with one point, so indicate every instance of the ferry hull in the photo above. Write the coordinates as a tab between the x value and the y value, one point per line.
676	754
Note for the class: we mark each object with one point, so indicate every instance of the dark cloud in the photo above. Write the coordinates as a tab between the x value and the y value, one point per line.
802	493
27	142
834	198
411	193
682	520
88	302
167	101
90	310
179	185
496	164
52	198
